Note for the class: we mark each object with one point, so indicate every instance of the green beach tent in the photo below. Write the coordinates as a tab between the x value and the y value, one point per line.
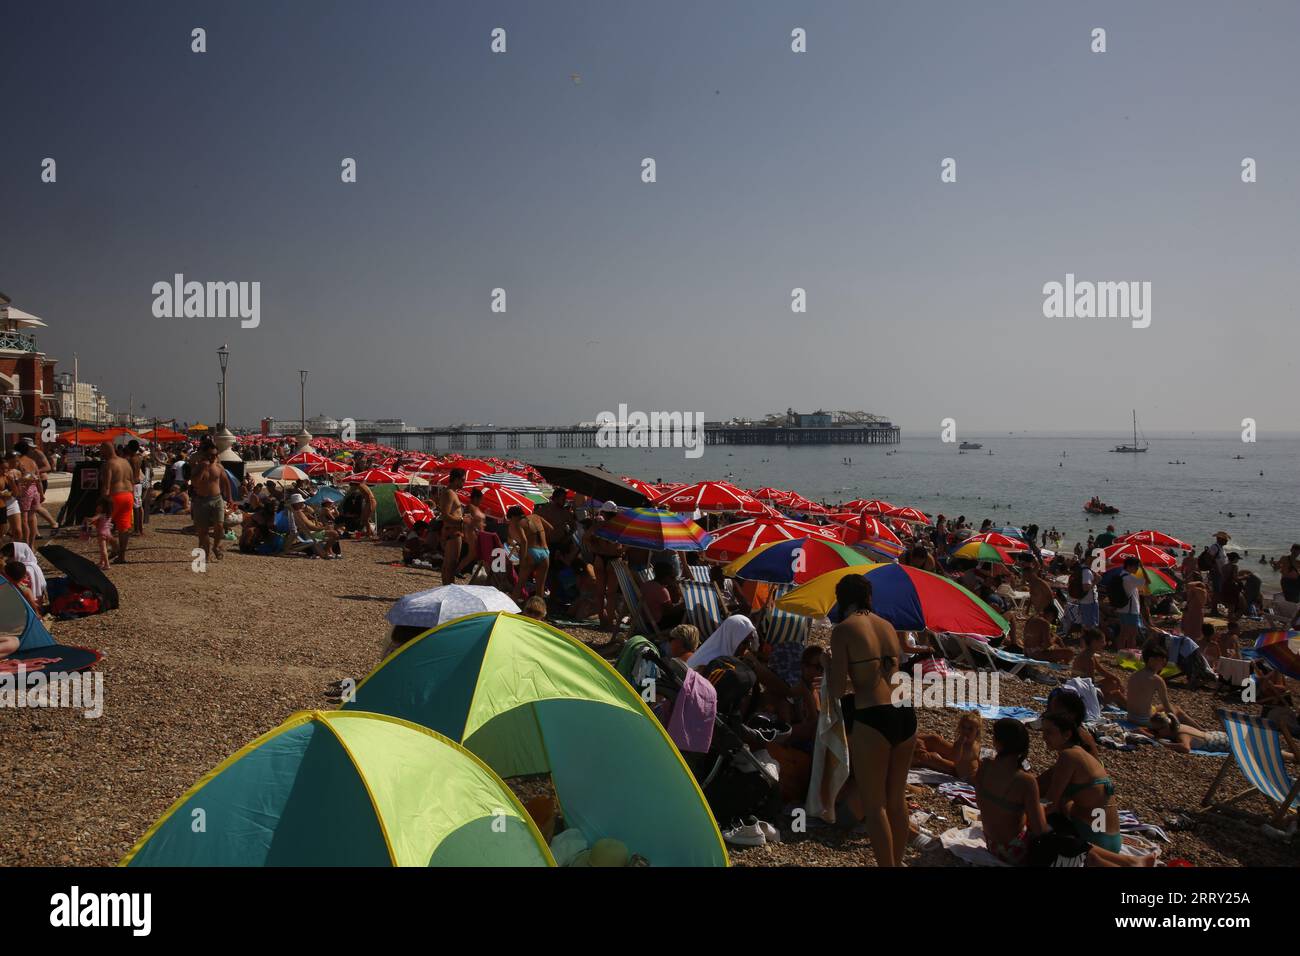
528	699
328	788
386	513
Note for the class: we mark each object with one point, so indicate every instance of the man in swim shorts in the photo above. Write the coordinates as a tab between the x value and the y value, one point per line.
211	487
116	482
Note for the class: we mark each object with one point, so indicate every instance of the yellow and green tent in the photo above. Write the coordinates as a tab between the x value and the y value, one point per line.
346	789
528	699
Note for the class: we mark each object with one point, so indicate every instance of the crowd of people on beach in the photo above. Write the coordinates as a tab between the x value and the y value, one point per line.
1067	610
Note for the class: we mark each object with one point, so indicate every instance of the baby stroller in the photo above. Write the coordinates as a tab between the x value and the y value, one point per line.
735	782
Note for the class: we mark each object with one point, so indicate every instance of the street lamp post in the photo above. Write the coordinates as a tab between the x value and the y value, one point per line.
224	437
303	437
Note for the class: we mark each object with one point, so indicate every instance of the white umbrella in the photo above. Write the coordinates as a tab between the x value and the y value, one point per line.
439	605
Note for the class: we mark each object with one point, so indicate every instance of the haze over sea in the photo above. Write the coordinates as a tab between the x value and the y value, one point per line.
1026	479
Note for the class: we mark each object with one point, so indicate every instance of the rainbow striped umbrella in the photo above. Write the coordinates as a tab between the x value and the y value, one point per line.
983	551
654	529
1282	650
796	561
907	597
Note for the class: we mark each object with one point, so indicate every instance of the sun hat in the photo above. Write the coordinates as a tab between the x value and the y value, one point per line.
296	499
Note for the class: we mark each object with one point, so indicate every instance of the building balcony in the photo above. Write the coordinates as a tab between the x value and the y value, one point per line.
17	342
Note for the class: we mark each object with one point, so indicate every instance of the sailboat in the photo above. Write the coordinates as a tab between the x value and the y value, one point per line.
1133	448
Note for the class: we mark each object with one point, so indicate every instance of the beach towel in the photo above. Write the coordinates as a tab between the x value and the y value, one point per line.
967	843
1022	714
830	764
691	725
930	778
35	575
958	792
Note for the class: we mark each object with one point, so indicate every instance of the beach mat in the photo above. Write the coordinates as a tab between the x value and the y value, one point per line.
82	573
52	660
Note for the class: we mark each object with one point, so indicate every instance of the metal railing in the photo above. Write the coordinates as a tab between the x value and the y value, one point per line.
18	341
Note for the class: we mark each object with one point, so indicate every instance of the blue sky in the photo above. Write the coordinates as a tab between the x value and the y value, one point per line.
775	170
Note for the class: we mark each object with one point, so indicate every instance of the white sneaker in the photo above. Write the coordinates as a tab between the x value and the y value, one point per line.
770	833
745	834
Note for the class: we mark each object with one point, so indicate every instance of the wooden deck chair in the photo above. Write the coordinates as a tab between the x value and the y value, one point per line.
704	606
631	592
1256	746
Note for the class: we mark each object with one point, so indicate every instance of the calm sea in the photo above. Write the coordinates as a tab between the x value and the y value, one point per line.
1030	477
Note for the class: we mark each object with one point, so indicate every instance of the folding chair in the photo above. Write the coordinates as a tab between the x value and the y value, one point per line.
1257	749
787	632
700	573
953	649
631	592
704	606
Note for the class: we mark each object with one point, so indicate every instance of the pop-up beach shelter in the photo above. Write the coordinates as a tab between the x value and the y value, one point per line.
346	789
528	699
17	619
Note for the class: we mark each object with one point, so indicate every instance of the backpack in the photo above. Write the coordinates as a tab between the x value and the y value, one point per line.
733	679
1075	587
1115	592
75	602
1205	560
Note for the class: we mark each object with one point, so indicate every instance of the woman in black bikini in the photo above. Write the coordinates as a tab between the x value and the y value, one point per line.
866	650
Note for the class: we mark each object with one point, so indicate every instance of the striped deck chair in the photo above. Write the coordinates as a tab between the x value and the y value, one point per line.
700	573
1257	750
583	551
631	591
787	632
953	649
704	606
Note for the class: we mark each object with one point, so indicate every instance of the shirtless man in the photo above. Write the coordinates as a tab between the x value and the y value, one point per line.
559	517
453	525
115	484
1088	665
865	649
1146	687
529	532
211	487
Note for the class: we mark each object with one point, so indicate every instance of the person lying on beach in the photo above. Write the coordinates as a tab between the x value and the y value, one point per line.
1183	738
420	544
959	758
1088	664
1147	689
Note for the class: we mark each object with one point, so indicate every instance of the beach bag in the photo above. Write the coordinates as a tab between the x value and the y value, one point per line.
1075	587
1115	593
1205	560
75	602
